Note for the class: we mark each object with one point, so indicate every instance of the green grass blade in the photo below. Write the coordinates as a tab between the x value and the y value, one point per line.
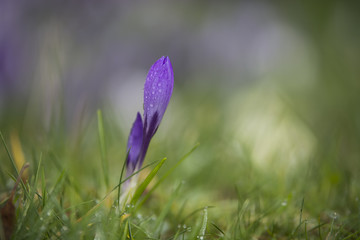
146	182
37	176
300	220
194	212
104	162
89	212
130	233
120	180
166	209
9	155
218	228
43	185
168	173
136	172
204	223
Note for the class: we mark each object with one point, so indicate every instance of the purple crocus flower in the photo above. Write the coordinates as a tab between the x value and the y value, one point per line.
157	93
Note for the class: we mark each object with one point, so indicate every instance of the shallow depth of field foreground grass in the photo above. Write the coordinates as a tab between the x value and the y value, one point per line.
293	180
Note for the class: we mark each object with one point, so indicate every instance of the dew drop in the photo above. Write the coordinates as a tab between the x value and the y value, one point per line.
334	215
129	206
159	84
151	105
160	90
153	92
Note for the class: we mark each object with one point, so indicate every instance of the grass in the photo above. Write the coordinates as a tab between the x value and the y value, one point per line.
231	186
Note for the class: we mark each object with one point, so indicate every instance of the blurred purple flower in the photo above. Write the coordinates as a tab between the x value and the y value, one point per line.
157	93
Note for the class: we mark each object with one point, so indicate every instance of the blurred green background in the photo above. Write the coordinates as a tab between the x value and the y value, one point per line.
270	90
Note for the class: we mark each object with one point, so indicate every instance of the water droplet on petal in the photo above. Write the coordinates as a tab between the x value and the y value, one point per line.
160	90
159	84
151	105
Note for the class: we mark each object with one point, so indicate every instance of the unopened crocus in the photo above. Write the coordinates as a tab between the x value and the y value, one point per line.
157	93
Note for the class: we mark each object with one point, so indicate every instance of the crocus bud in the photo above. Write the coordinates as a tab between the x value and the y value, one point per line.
158	89
157	93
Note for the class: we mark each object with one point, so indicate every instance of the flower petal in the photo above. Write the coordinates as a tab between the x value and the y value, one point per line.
147	137
157	93
135	143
